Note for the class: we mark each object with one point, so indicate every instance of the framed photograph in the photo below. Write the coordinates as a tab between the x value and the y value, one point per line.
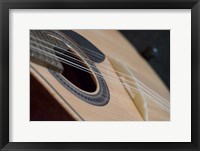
99	75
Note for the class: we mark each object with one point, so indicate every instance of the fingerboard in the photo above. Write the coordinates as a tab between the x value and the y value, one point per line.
42	52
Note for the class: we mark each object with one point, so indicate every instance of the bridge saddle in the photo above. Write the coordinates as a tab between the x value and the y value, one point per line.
133	88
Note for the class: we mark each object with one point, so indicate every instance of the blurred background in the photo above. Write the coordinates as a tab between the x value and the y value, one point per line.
154	46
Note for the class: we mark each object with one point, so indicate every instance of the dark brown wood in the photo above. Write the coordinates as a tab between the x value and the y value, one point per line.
43	107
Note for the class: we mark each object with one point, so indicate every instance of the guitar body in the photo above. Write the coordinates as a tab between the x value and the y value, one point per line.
52	99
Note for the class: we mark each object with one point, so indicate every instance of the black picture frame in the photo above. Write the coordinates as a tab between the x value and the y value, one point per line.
5	5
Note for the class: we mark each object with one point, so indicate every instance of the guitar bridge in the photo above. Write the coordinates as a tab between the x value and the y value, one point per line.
129	81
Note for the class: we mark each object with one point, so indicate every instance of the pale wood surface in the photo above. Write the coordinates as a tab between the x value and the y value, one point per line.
113	44
120	107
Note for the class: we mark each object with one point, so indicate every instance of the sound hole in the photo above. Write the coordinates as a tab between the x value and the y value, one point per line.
80	77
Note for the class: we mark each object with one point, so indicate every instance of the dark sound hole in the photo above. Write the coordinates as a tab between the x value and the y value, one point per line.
82	79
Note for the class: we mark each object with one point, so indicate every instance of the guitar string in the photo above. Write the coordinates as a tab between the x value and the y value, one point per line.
90	60
125	85
87	70
135	73
82	62
141	83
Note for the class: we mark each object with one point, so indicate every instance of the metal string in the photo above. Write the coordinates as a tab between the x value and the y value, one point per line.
141	83
99	75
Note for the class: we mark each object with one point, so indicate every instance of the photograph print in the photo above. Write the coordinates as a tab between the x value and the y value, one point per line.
99	75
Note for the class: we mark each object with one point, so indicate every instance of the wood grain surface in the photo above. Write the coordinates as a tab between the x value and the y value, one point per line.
121	106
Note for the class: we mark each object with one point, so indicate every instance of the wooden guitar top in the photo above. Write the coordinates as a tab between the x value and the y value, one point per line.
120	106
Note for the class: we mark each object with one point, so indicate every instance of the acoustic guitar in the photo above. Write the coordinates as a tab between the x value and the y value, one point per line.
92	75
